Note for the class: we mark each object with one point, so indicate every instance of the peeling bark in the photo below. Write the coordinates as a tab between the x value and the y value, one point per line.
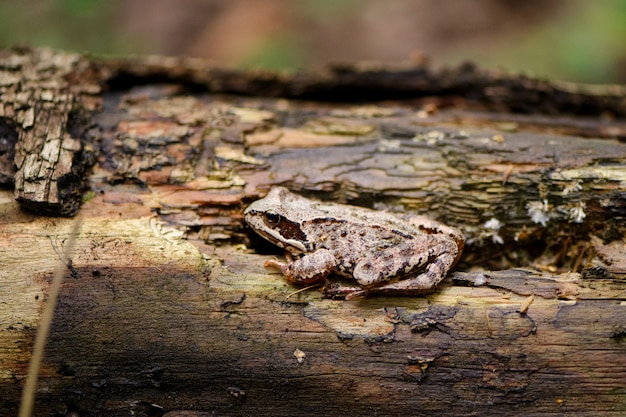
40	92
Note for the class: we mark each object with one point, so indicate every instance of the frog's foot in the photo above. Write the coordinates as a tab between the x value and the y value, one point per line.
281	266
356	294
275	263
400	288
286	268
338	290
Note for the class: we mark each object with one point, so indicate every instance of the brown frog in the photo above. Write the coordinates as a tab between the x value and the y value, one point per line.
383	252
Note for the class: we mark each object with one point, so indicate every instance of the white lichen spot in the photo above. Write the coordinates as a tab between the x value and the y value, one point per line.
435	136
538	211
431	138
385	145
492	226
493	223
480	279
577	214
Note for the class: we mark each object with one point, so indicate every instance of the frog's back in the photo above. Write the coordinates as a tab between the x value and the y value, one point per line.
365	217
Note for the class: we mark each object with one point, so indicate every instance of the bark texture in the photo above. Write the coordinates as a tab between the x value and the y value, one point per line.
167	309
44	96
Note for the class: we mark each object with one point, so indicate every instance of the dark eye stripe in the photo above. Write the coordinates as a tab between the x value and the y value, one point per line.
290	230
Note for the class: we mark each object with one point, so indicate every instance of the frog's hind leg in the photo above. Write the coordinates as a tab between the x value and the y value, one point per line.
435	263
420	284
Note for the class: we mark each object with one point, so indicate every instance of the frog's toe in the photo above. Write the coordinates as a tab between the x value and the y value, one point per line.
356	294
274	263
334	289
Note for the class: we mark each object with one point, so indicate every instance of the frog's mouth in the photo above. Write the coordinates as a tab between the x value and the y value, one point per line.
295	247
281	236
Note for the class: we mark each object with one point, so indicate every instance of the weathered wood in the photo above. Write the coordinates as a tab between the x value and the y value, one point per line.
40	91
514	193
376	81
146	319
166	311
53	86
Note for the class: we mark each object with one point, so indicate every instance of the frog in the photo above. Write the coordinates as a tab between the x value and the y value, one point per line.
376	251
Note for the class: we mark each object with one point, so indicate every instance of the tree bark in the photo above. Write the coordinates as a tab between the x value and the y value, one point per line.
44	95
167	309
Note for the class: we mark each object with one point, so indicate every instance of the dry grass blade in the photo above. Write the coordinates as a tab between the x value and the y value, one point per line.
28	395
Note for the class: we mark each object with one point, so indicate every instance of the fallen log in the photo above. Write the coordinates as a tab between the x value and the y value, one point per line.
167	309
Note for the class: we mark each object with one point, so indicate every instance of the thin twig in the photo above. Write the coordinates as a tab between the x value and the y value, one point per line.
303	289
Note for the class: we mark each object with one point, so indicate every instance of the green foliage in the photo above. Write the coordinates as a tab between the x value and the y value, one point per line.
328	9
83	25
584	45
583	41
278	53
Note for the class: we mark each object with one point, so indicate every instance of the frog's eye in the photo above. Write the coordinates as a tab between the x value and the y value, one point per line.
271	217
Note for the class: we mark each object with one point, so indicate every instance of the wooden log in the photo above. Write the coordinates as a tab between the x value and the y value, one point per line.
169	311
181	331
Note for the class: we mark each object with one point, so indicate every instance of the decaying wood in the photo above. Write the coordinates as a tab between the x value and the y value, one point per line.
374	82
509	191
168	309
53	86
40	92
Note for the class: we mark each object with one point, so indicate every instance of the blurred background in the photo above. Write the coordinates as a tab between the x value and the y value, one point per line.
574	40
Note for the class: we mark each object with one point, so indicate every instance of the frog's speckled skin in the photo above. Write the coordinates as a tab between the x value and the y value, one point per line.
382	251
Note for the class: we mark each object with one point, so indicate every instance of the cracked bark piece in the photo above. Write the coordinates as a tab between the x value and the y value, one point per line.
44	95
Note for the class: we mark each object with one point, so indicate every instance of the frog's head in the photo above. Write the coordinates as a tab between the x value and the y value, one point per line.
278	218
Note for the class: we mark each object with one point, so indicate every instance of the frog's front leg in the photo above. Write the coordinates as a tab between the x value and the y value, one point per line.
308	269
